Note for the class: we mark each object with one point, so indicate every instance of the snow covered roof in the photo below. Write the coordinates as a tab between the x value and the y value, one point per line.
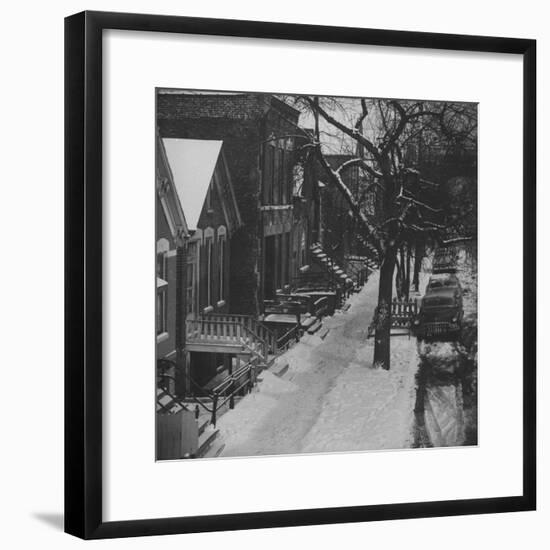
192	162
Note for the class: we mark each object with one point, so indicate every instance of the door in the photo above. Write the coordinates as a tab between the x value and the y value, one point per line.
270	270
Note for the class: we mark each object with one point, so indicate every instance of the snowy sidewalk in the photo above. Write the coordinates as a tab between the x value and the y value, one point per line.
330	399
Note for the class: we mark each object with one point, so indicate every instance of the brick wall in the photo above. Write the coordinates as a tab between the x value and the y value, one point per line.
232	106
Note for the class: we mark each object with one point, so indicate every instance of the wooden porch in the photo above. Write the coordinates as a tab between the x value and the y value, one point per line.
230	334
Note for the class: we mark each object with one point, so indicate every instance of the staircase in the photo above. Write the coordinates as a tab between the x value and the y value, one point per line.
372	259
329	265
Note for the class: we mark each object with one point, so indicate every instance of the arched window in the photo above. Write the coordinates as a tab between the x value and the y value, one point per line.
209	246
222	255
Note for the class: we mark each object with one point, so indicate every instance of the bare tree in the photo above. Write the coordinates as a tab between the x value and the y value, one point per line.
383	133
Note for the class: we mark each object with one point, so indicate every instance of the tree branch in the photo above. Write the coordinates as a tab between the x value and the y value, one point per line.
344	190
361	162
352	132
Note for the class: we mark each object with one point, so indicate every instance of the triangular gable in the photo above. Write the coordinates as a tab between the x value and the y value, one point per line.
192	162
226	192
167	194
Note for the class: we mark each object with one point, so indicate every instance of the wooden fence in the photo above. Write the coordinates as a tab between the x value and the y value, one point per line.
403	312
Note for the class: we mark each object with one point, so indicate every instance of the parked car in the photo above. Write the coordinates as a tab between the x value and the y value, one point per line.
445	260
441	309
442	281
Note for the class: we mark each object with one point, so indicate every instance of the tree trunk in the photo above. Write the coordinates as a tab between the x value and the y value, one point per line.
383	314
418	255
408	273
398	280
403	273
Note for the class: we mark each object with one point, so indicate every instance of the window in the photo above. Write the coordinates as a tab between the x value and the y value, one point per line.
221	261
162	284
190	292
268	173
276	176
161	312
297	180
286	258
283	188
209	266
190	287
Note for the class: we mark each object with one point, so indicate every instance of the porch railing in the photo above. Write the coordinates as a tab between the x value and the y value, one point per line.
262	332
216	331
237	383
288	339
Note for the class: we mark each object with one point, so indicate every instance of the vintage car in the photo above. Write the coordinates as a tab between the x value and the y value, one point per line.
441	310
442	281
445	260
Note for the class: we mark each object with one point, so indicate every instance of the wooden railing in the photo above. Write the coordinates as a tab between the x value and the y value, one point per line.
237	383
403	312
262	332
216	331
213	329
320	307
288	338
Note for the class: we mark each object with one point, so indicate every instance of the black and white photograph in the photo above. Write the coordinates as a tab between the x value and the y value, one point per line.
316	274
283	269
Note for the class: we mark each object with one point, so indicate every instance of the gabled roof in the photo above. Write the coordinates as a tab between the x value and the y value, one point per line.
171	206
192	162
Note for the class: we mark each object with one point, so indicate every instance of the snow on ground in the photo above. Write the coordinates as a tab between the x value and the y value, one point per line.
330	399
368	408
446	415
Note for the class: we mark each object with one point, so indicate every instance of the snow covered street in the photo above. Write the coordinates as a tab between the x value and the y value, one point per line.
446	408
330	398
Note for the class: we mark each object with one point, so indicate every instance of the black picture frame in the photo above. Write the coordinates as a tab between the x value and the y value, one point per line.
83	274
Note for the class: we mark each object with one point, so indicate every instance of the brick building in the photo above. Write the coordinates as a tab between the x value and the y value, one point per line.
279	203
171	235
201	184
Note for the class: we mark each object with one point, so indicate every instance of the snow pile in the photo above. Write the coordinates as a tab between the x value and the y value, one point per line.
443	355
235	426
444	416
298	357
